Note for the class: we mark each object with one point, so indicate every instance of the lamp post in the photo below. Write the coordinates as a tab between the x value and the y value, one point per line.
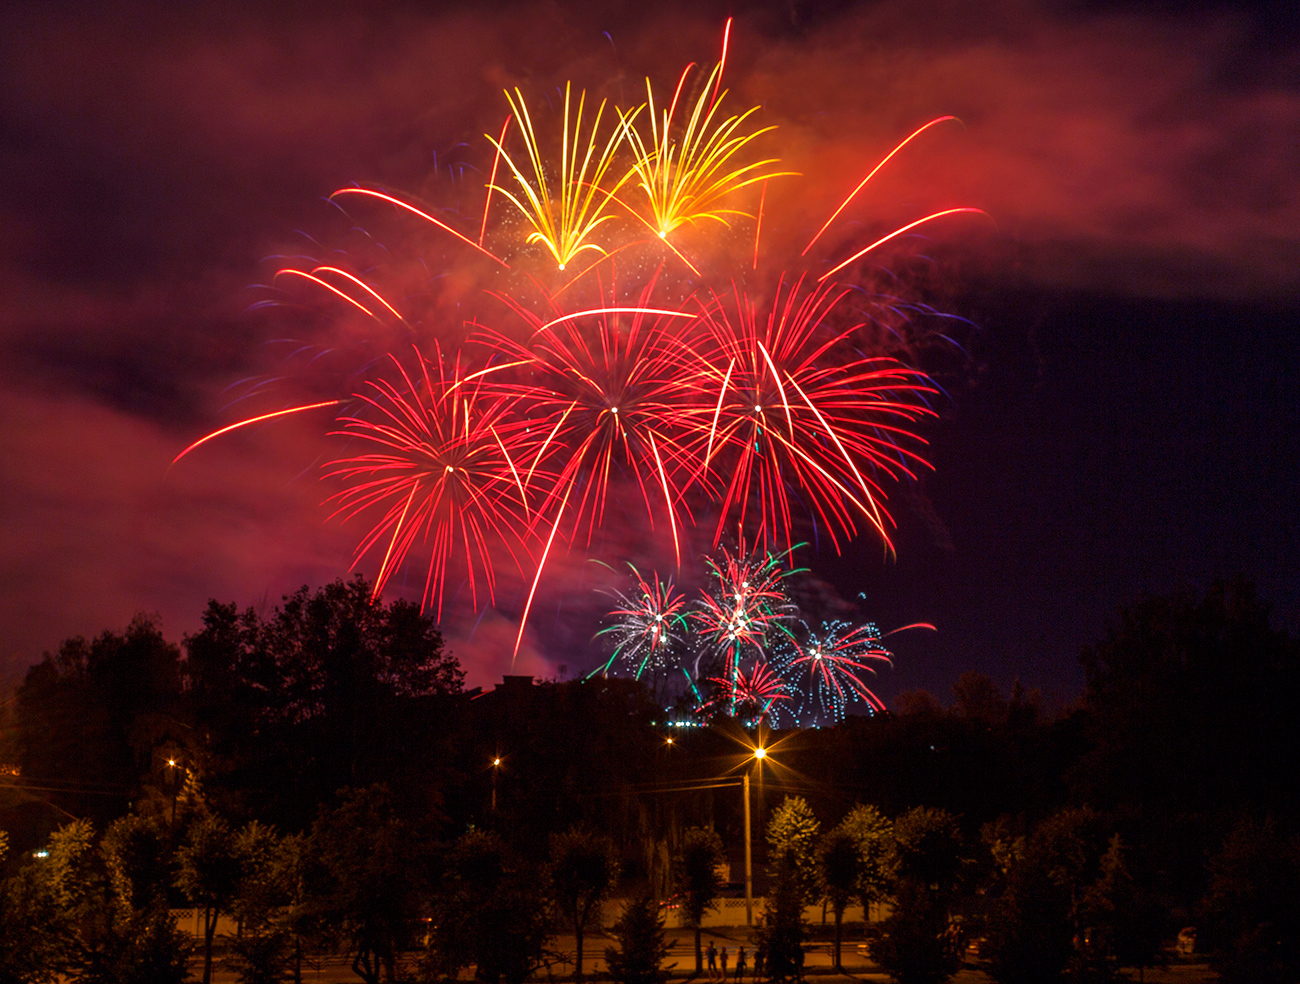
496	767
759	755
171	769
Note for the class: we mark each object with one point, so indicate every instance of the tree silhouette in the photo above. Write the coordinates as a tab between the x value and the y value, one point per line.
695	873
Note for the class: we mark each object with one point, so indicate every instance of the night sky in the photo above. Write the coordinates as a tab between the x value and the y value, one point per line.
1121	416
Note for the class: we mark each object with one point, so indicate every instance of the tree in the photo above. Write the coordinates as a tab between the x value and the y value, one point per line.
1122	924
489	908
268	905
1171	746
141	863
583	871
979	699
89	715
69	913
1252	905
209	873
366	863
1035	918
289	702
874	836
695	873
840	866
31	944
642	949
792	831
780	935
919	945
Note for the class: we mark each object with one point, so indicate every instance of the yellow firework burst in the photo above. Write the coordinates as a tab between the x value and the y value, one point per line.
686	175
566	212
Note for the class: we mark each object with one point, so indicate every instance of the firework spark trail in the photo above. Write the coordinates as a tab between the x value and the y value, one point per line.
649	624
863	183
369	193
254	420
833	659
605	387
443	471
374	295
563	219
745	608
686	177
492	180
895	234
791	410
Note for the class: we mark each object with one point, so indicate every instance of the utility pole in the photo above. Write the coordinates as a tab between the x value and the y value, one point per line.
749	859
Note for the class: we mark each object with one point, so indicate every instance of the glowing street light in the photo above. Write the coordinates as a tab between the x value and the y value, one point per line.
759	755
496	768
175	783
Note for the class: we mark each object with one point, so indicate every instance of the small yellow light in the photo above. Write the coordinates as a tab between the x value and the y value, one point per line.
760	753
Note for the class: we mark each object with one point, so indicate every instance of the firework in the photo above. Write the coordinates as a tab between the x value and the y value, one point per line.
753	695
833	660
602	389
563	213
745	607
793	410
685	177
443	471
605	390
590	398
650	624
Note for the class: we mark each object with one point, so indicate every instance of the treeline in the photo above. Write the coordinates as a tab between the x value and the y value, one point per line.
350	795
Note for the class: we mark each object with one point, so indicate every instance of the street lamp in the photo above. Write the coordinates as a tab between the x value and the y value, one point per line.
496	767
171	768
758	756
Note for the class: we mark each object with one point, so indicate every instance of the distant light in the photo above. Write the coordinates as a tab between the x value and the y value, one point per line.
670	741
41	854
496	761
171	763
760	753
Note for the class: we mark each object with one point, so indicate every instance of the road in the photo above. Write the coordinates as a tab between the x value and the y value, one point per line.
817	963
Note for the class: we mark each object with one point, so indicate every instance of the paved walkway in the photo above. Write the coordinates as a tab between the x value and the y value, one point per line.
817	962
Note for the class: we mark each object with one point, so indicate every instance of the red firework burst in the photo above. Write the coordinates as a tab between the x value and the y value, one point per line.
758	690
604	390
793	410
445	471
